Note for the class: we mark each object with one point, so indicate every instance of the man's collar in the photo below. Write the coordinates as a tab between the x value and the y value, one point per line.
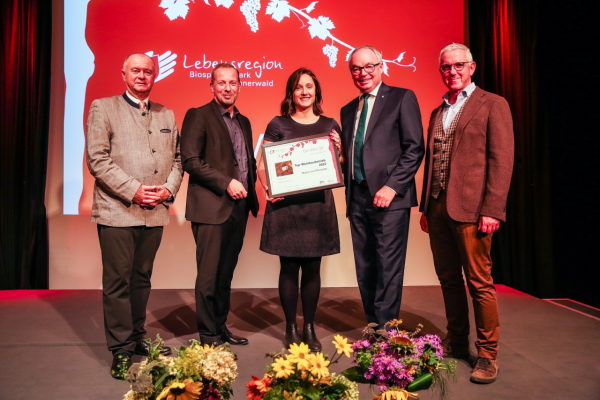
466	92
374	91
133	102
224	111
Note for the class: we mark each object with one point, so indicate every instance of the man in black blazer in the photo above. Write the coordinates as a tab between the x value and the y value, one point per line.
382	147
216	151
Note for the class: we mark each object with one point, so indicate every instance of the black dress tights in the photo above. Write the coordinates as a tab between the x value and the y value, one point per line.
310	287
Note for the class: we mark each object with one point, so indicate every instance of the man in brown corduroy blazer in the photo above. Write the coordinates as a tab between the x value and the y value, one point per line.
132	150
468	168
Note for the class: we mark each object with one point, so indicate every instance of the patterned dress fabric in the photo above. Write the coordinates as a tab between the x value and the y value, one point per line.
301	225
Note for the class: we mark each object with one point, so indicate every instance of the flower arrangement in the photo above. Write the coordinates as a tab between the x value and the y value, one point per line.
198	372
302	375
399	362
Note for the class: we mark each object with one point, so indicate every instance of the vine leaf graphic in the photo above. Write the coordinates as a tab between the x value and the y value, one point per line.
175	8
279	9
311	7
320	27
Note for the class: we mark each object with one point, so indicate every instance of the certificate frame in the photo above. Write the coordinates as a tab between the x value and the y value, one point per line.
270	159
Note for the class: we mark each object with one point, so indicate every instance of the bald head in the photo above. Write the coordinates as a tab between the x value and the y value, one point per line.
139	73
137	54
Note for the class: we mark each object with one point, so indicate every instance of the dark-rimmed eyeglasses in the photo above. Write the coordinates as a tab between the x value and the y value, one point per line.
369	68
457	66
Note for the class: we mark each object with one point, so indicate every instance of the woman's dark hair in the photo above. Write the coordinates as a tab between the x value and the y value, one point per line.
287	105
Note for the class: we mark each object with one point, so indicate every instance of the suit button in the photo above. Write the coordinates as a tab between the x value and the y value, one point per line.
155	171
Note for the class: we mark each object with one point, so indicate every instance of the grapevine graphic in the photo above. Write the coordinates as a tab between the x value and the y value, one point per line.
278	10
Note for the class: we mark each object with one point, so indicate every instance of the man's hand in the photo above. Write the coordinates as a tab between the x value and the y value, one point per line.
150	196
268	198
423	222
384	197
488	224
236	190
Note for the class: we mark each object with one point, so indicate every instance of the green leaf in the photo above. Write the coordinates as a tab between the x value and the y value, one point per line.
162	378
355	374
421	383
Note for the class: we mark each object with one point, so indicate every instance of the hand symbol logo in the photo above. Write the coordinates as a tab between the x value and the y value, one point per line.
166	62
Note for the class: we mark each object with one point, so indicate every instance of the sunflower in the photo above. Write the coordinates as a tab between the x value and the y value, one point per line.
282	367
299	354
318	365
342	345
186	390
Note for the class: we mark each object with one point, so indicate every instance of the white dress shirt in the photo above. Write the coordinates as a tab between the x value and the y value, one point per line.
451	110
136	101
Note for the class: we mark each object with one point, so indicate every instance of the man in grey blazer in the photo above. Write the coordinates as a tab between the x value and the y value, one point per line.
132	150
382	147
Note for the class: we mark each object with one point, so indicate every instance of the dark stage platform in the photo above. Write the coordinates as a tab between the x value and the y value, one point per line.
52	342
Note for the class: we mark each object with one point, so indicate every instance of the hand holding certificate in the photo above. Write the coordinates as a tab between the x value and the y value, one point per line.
303	165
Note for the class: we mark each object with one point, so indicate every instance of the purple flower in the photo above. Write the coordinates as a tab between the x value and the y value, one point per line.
432	340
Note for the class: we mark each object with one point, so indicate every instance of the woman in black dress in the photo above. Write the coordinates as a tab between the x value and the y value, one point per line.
300	228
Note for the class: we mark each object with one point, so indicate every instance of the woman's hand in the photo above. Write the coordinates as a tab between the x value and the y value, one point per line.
268	198
336	139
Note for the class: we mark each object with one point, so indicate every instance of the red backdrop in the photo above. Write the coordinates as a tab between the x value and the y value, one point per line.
116	28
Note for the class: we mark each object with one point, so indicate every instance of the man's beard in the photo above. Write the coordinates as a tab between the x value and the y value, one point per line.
227	103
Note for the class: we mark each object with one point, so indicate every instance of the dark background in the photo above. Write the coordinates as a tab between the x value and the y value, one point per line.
542	56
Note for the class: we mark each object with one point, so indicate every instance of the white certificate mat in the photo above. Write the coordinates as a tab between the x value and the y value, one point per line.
302	165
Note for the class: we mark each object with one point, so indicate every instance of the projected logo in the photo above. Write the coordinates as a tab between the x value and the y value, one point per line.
278	10
166	62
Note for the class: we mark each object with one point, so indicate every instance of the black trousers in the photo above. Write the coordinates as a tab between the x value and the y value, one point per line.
379	238
127	258
217	251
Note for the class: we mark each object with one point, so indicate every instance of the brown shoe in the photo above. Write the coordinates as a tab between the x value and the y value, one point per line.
454	351
485	371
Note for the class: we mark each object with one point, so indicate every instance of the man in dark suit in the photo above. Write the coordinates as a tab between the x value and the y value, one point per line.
216	151
467	175
382	147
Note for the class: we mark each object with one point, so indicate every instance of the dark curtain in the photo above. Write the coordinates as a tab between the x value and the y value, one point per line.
521	48
24	108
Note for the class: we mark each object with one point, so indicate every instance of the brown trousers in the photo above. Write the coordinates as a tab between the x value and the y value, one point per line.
458	246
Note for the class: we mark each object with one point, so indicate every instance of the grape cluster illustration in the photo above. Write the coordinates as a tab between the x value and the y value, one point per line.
331	52
250	8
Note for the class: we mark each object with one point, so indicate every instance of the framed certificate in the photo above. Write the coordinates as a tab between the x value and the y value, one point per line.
302	165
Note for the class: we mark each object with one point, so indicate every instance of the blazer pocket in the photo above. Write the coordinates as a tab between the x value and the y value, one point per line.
472	193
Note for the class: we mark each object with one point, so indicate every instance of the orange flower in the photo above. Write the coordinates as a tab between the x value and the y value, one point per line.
257	388
186	390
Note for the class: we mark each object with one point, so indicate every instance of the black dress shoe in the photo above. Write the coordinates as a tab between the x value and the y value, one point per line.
120	365
214	343
141	349
291	335
233	339
310	338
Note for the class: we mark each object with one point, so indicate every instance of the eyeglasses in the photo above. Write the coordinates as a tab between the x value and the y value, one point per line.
457	66
369	68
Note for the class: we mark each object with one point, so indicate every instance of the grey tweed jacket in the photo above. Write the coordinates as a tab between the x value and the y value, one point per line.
125	149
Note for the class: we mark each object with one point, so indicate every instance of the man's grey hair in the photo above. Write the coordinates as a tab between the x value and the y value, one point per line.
457	46
137	54
373	49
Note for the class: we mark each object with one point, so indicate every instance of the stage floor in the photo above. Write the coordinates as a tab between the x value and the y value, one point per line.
52	342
